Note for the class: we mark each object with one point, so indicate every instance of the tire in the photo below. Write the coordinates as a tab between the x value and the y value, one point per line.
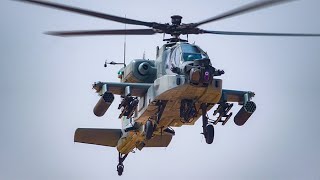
148	129
209	133
120	169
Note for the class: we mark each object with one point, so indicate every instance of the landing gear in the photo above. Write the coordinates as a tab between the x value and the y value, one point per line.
209	134
151	124
120	166
208	129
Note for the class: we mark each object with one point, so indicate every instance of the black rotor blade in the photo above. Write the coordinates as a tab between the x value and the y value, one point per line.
89	13
103	32
243	9
255	33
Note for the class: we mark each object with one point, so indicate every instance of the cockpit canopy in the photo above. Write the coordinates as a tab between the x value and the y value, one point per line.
181	53
192	52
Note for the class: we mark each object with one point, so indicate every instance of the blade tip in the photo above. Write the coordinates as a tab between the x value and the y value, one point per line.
52	34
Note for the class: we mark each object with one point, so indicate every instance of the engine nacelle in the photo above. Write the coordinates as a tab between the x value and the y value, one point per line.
140	71
103	104
244	113
144	68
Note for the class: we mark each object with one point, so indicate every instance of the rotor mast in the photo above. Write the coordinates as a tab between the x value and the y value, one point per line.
176	22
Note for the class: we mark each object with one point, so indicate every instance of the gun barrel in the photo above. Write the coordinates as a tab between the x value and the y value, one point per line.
103	104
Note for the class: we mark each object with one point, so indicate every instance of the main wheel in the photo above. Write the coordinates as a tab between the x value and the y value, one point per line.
209	133
148	129
120	168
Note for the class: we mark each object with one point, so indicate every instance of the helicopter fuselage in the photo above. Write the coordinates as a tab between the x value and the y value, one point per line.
171	89
176	89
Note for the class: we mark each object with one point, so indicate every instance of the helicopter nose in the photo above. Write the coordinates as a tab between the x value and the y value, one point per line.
202	62
195	76
200	76
201	72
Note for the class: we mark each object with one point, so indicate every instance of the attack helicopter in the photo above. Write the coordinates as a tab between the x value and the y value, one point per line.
177	88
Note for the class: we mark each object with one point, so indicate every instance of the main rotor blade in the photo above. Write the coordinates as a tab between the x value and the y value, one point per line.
89	13
103	32
243	9
255	33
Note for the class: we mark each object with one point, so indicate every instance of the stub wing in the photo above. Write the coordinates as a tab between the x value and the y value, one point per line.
104	137
225	104
110	137
236	96
137	89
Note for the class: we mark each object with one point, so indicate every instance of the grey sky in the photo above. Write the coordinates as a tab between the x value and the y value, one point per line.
46	93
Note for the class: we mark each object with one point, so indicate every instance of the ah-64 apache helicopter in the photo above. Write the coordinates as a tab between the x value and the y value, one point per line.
175	89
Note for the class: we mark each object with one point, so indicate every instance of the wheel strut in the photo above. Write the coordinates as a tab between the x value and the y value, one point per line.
208	129
204	119
120	166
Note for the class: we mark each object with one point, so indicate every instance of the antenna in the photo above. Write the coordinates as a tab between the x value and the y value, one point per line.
112	63
125	43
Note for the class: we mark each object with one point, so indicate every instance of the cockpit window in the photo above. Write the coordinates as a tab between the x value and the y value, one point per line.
177	55
187	48
191	56
172	59
192	52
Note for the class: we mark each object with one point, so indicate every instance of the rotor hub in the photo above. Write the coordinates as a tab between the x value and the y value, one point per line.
176	19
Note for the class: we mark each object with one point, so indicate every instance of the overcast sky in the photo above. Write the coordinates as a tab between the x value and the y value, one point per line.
46	93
